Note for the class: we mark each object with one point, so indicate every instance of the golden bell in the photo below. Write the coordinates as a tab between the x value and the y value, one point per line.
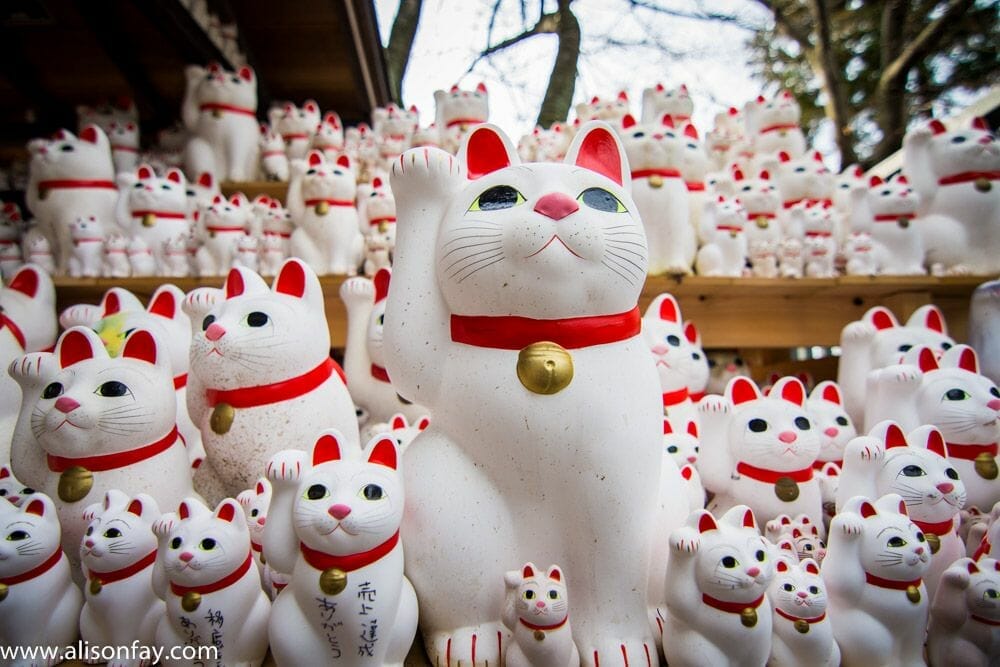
656	181
787	489
986	466
983	184
333	581
733	233
544	368
3	592
383	227
539	635
322	208
149	220
802	626
222	418
903	222
913	594
95	586
75	483
933	541
190	601
762	222
43	193
748	617
216	113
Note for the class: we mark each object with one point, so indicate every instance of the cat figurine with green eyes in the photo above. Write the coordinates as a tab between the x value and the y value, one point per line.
261	377
717	612
802	634
206	576
874	569
513	318
118	552
334	525
964	628
537	615
39	605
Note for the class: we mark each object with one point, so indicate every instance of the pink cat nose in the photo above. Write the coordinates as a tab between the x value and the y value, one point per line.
986	139
261	521
831	431
215	331
659	349
692	459
787	437
556	205
89	544
994	404
540	604
657	136
919	550
731	368
802	594
339	511
186	556
753	571
945	487
66	404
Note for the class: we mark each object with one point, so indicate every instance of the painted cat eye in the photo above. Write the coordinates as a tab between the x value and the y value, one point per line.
991	594
945	346
600	199
951	473
673	340
814	590
254	512
956	395
316	492
372	492
914	471
257	319
904	348
529	594
18	535
843	421
788	587
496	198
896	542
176	543
90	529
760	555
994	392
553	595
921	538
729	562
112	533
802	423
757	425
53	390
112	389
207	322
207	544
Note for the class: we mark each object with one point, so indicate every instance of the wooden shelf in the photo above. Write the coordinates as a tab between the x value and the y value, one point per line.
273	189
729	312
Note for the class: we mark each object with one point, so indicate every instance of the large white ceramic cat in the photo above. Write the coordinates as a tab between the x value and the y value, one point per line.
802	633
874	568
117	553
759	450
261	377
153	208
541	290
724	252
717	612
888	210
212	590
220	112
334	524
41	606
680	360
296	126
964	626
536	613
458	111
957	174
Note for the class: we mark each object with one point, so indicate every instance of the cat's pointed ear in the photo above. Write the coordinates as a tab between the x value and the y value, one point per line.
144	172
176	176
928	317
144	506
703	521
786	548
892	503
485	150
230	510
141	344
423	423
40	505
667	428
528	570
929	437
881	318
166	302
781	566
344	160
78	344
828	391
327	447
937	127
398	421
796	533
384	452
190	507
555	574
790	389
315	158
923	358
691	333
119	300
749	521
628	120
867	510
242	280
247	74
114	498
92	134
664	307
810	566
971	566
382	279
742	389
890	433
961	356
690	131
692	429
27	280
596	147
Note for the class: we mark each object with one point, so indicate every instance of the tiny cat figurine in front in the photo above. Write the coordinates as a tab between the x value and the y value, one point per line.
874	568
153	208
206	575
800	532
334	524
39	605
717	612
680	360
802	633
118	552
260	369
964	626
536	613
558	358
364	356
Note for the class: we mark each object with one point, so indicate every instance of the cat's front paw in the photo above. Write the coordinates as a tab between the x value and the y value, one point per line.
199	301
919	135
849	525
864	448
472	646
166	523
714	404
80	315
357	291
858	331
424	172
956	576
685	540
286	467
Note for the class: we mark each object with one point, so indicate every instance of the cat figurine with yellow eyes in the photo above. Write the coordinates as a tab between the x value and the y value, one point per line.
529	274
537	615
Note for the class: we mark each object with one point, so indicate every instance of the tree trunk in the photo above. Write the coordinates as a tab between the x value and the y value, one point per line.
397	52
562	81
830	71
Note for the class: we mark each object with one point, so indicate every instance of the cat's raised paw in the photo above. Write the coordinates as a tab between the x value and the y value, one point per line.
285	467
715	404
472	646
357	291
685	540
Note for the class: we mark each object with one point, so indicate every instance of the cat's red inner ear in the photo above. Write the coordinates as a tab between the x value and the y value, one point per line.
937	127
706	523
628	121
599	152
145	172
667	428
315	158
140	345
743	391
934	320
782	566
174	176
811	568
831	394
89	134
25	281
796	533
246	73
668	310
974	569
205	180
344	161
135	507
867	510
794	392
555	574
227	510
384	453
184	511
291	280
36	507
485	153
423	423
528	571
4	472
382	280
748	520
234	284
692	429
926	360
883	319
894	437
326	449
260	488
935	443
74	347
968	361
164	305
902	508
691	332
112	304
398	422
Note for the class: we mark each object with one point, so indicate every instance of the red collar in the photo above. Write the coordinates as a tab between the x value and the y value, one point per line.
779	126
728	228
981	619
819	234
810	620
378	221
891	583
818	465
754	216
380	373
259	548
331	202
216	106
216	228
969	452
123	147
665	173
772	476
274	152
730	607
15	330
88	239
225	582
66	183
939	528
792	202
266	394
49	563
182	379
893	217
102	462
697	395
536	628
160	214
969	177
465	121
671	398
695	186
124	573
511	332
350	562
294	135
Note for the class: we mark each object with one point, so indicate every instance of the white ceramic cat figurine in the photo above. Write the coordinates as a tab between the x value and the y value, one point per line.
717	612
848	184
957	174
724	253
141	261
11	488
399	428
261	376
759	450
152	207
247	252
116	257
680	361
364	353
273	221
888	210
803	635
802	180
537	615
220	112
761	200
984	322
654	154
826	412
296	126
87	256
800	534
611	109
321	202
790	258
70	177
118	552
273	159
272	255
774	126
860	252
41	606
255	503
964	626
874	569
124	138
554	234
334	524
878	340
210	584
675	102
458	111
175	258
220	226
37	250
763	259
329	136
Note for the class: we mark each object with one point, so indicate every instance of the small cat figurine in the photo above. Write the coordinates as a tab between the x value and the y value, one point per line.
611	109
296	126
152	207
116	257
674	102
175	258
724	253
210	585
536	613
87	255
888	211
717	612
803	636
40	604
255	503
334	524
37	250
329	136
964	626
124	139
803	180
874	568
247	252
11	489
802	535
118	552
826	411
774	126
142	263
220	226
791	259
860	252
680	360
273	158
457	111
763	258
761	200
272	255
850	183
399	428
723	366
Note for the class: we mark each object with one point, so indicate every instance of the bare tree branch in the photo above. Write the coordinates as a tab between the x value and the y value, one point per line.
696	16
836	105
922	44
547	24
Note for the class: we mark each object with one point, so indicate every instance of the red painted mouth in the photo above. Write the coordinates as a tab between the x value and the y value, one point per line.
555	237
